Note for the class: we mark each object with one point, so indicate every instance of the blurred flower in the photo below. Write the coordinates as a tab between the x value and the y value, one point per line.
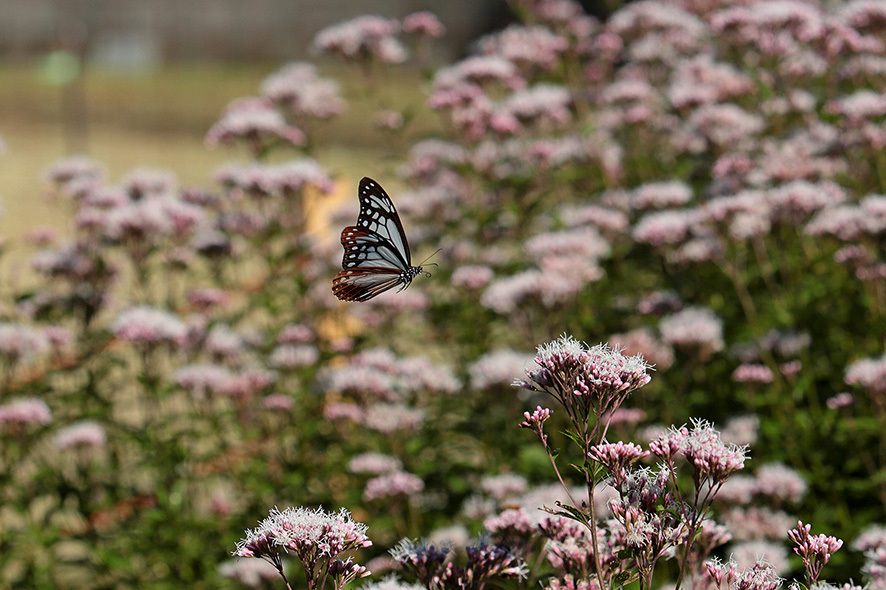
841	400
388	583
262	180
749	553
25	411
21	343
389	418
299	89
145	182
74	168
661	195
277	402
869	373
757	522
526	46
149	325
643	342
295	333
498	368
397	483
375	463
253	573
872	537
741	430
780	483
86	433
750	373
472	276
694	327
222	342
423	24
254	120
289	356
664	228
504	486
363	38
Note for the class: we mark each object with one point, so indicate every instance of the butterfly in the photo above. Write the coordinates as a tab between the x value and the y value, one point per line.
376	255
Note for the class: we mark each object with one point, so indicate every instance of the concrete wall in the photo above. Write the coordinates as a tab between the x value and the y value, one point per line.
135	31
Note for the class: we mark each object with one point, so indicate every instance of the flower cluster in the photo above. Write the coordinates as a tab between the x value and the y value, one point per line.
585	381
316	537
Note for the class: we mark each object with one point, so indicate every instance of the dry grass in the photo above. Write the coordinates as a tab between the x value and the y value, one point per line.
157	119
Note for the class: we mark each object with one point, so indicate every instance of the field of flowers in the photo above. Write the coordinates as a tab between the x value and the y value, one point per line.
696	185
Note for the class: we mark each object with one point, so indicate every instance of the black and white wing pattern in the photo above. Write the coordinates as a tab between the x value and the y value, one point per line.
376	251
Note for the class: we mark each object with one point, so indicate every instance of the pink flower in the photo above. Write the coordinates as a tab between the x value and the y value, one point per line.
389	418
869	373
202	380
643	342
756	522
582	378
472	276
255	120
363	38
815	550
505	486
207	298
841	400
263	180
542	103
149	326
86	433
761	561
694	327
299	89
750	373
25	411
712	460
665	228
73	169
315	537
375	463
295	333
661	195
397	483
780	482
249	572
424	24
617	458
872	537
21	343
498	368
290	356
277	402
526	46
343	411
741	430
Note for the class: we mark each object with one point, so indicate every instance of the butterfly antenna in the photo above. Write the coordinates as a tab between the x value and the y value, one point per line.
422	263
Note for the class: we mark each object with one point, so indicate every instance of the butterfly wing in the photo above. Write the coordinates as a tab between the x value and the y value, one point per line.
378	215
376	256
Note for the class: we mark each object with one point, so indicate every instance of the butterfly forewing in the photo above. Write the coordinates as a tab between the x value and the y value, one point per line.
377	214
376	256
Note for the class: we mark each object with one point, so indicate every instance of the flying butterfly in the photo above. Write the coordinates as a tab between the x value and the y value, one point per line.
376	255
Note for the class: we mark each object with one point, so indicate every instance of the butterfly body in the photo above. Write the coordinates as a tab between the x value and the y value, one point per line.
376	256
